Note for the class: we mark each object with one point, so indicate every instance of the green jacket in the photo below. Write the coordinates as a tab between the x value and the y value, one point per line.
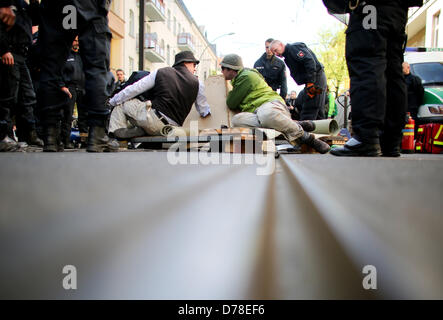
250	91
332	106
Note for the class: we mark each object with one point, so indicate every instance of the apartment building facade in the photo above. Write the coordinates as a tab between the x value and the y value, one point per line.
423	26
169	28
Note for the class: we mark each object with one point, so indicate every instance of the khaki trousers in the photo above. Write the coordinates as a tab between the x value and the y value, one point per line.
271	115
136	113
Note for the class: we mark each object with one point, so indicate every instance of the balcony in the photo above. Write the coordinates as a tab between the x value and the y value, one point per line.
153	51
155	10
185	42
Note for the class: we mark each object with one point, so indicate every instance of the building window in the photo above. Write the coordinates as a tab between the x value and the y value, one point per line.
162	48
175	26
168	55
115	7
169	19
131	23
131	65
435	27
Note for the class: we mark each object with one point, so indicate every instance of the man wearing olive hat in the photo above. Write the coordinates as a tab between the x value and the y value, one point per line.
260	106
164	97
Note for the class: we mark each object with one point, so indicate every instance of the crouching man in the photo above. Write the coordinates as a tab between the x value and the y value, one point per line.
167	93
261	106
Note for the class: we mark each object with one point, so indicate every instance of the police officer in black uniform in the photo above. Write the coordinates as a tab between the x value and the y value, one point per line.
415	90
305	69
17	95
295	104
57	32
273	70
74	86
378	92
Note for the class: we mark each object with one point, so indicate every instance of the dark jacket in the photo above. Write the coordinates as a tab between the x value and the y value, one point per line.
88	9
72	72
274	72
5	3
174	92
302	63
92	9
19	38
415	91
119	86
405	3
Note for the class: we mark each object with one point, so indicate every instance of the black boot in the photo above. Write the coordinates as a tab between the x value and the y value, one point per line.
307	125
99	141
68	144
316	144
125	133
34	140
51	139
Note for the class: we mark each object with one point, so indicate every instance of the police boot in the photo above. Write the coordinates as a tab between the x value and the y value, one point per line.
68	144
8	145
51	139
99	141
316	144
34	140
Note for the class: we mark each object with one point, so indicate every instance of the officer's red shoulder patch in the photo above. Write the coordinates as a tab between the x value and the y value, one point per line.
301	54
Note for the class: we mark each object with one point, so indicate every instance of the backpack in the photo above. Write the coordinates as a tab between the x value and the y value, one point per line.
429	138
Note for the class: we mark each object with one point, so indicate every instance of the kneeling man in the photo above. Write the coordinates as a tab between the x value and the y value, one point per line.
261	106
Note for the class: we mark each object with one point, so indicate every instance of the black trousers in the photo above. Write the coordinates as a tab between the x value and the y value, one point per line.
17	99
313	108
94	37
378	90
68	110
82	113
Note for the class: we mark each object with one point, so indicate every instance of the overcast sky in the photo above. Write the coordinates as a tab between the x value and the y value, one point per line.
254	21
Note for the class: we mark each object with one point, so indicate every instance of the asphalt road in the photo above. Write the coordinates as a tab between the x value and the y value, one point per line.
136	226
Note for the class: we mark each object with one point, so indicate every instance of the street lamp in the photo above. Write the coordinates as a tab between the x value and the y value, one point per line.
209	43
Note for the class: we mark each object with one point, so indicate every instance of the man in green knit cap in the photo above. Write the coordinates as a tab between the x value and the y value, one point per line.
261	106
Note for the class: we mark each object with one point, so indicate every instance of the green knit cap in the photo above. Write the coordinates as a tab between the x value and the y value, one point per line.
232	61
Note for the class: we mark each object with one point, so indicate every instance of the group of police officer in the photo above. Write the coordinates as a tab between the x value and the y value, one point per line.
374	58
89	23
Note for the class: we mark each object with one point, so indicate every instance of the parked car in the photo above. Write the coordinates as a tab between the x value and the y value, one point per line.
427	63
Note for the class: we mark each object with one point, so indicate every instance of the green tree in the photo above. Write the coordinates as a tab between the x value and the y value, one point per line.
331	53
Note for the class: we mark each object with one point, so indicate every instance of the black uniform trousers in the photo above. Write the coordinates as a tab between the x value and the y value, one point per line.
313	108
68	110
17	99
55	41
378	90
